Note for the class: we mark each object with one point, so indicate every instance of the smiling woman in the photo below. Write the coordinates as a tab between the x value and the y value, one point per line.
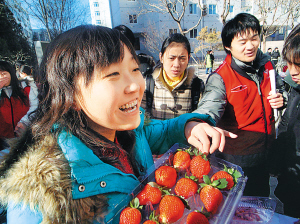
88	145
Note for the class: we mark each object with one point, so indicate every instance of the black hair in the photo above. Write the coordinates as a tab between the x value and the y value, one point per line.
177	38
241	23
127	32
291	47
17	90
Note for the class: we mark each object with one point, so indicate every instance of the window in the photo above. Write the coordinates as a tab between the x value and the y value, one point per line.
97	13
98	22
172	7
193	33
230	8
172	31
132	18
193	8
96	4
212	9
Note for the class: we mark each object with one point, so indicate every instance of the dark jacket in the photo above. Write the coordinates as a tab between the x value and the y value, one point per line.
285	158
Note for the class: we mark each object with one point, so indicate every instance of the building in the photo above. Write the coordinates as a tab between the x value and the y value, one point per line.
40	35
21	17
135	15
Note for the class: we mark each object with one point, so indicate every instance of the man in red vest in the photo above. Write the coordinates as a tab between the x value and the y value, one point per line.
238	97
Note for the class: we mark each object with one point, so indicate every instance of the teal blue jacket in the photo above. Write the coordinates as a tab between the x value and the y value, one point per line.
90	176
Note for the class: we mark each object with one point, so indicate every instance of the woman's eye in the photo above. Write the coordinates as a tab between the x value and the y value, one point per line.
136	69
112	74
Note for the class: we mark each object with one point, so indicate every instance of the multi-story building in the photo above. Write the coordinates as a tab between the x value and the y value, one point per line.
21	17
134	14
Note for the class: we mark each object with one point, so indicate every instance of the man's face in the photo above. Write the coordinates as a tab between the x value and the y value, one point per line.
244	46
294	70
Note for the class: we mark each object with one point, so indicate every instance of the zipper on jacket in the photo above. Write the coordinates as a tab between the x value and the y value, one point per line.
12	115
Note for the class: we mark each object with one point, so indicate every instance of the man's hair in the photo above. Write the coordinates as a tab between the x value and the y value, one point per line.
291	47
241	23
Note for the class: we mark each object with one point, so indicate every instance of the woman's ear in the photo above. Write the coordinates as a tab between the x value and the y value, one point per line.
160	57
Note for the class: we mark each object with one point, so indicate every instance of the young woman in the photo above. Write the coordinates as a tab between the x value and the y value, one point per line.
174	90
89	144
14	102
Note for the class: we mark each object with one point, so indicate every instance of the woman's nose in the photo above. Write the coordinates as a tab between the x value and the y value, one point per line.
294	70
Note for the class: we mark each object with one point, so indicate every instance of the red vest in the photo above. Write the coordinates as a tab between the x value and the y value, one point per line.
248	112
11	112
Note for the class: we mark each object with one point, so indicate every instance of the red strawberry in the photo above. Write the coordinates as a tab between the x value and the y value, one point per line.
150	194
171	209
153	219
231	175
210	195
199	165
131	215
182	160
186	187
166	176
150	222
196	217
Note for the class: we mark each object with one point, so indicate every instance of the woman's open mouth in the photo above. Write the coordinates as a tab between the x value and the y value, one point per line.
129	107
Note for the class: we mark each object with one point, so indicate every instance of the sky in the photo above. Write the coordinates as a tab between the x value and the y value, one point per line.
36	24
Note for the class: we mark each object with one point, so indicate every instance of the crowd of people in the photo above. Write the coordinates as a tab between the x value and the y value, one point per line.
80	140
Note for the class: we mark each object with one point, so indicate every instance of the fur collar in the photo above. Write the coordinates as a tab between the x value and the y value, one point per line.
40	178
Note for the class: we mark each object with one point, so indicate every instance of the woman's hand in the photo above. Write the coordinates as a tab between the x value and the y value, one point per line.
205	137
4	79
275	100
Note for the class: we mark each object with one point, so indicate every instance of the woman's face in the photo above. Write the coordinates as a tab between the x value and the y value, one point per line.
175	59
112	99
5	79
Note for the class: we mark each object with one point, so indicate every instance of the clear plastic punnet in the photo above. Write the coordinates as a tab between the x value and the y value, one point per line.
231	198
252	210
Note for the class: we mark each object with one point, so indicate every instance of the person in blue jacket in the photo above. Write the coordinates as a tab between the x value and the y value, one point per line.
90	144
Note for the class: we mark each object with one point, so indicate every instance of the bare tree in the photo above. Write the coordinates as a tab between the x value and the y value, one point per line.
57	15
175	8
225	12
272	17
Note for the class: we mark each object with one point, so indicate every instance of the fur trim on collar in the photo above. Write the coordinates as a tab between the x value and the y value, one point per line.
41	179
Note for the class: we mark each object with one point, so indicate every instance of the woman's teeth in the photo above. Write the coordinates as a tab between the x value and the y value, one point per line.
129	107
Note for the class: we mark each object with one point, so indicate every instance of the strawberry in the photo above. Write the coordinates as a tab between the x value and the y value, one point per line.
210	195
153	219
132	214
231	175
182	160
196	217
166	176
150	194
171	209
186	187
199	165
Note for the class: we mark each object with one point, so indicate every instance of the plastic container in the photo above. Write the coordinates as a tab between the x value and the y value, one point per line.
231	198
252	210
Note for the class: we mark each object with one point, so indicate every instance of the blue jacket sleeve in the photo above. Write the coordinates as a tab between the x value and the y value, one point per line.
22	214
162	134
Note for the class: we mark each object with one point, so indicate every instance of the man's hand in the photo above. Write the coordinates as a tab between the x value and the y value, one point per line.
205	137
20	128
275	100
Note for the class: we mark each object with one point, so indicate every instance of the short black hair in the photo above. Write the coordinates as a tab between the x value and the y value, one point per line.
291	47
127	32
241	23
177	38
